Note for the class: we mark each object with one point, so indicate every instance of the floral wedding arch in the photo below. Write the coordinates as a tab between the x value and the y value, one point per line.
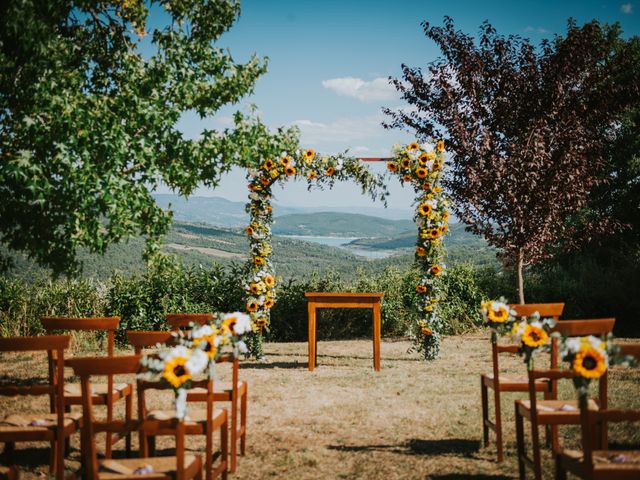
418	165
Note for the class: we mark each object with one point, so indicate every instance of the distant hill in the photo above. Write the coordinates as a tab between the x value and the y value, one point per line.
338	224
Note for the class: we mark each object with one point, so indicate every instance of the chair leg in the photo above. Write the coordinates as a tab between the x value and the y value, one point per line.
234	435
224	448
484	394
498	423
151	446
520	444
128	415
535	445
561	474
243	421
144	444
60	459
67	441
53	457
208	456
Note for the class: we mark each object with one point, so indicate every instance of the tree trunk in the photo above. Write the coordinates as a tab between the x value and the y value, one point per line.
520	281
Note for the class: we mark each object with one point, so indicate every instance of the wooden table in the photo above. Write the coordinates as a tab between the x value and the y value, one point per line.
343	300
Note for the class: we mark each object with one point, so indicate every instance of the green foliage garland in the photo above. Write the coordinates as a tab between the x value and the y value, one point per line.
421	166
319	171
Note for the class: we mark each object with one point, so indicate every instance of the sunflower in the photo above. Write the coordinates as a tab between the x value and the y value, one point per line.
534	336
268	164
421	251
290	171
261	322
423	159
497	314
265	181
589	362
440	146
434	233
437	166
252	306
425	209
444	229
421	172
285	161
406	178
268	303
250	187
426	186
392	166
268	209
249	230
254	288
413	146
406	163
210	348
312	175
175	371
421	289
426	331
437	189
309	154
436	270
258	261
269	281
228	324
330	171
445	216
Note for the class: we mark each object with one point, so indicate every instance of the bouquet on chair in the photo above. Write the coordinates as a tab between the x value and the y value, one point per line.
533	334
194	352
497	316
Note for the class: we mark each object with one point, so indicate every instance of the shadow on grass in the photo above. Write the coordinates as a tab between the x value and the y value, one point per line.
355	357
451	446
466	476
27	457
264	365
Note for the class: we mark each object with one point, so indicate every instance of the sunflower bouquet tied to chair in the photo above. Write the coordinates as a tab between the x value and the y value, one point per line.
533	334
498	316
194	352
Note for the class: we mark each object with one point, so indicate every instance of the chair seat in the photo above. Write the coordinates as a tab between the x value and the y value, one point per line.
155	466
73	392
554	411
34	425
515	383
195	420
608	460
225	387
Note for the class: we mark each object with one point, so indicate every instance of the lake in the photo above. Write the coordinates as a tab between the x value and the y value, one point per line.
342	242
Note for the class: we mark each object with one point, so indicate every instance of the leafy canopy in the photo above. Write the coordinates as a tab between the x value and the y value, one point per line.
88	124
529	127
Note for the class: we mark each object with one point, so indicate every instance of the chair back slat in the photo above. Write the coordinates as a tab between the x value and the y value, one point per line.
93	366
546	310
632	348
579	328
32	344
552	374
180	320
80	323
511	348
147	339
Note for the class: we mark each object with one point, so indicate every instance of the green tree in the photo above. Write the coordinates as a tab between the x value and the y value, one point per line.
88	118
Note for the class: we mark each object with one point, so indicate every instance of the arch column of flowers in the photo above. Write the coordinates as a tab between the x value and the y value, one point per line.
421	167
319	171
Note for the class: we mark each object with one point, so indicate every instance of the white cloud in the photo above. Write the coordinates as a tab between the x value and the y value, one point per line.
360	149
374	90
626	8
531	29
343	130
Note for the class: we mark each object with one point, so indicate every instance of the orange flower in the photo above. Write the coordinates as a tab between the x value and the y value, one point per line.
258	261
312	175
330	171
406	163
290	171
437	189
440	146
425	208
437	165
413	146
268	164
249	230
426	331
434	232
406	178
445	216
444	229
423	159
436	270
265	181
421	289
252	306
285	161
392	166
268	209
253	288
421	172
421	251
268	303
309	154
261	322
426	186
269	281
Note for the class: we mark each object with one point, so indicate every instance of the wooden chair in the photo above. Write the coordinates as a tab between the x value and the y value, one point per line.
9	473
236	393
103	394
55	427
182	466
504	383
553	412
596	463
199	422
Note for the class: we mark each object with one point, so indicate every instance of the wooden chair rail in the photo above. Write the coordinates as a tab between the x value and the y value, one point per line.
80	323
632	349
86	366
545	310
595	326
30	344
553	374
15	390
177	320
508	348
147	339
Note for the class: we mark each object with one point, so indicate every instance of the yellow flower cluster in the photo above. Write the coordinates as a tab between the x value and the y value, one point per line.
421	167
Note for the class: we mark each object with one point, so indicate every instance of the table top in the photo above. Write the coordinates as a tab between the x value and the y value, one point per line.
344	294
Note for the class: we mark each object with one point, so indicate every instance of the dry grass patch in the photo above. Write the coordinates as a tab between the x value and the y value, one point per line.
412	420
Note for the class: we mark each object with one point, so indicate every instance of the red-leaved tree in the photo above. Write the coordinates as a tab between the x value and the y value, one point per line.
528	128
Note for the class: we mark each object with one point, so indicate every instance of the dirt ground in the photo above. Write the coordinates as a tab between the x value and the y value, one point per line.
412	420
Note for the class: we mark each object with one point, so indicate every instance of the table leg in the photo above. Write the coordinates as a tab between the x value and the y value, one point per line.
376	336
311	310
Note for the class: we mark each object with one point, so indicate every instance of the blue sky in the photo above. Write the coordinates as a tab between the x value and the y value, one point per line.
329	61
